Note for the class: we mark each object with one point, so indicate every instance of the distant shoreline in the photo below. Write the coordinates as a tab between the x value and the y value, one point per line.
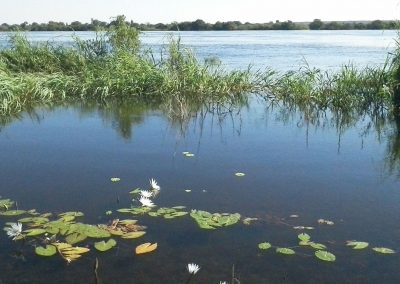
200	25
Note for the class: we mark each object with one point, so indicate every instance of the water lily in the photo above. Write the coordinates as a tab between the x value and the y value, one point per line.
193	268
146	202
154	185
14	231
146	193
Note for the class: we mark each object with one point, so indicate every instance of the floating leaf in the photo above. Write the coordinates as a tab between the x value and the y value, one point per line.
264	246
286	251
13	212
179	207
357	245
145	248
317	246
189	155
240	174
115	179
105	246
384	250
75	238
304	243
70	253
34	232
304	237
136	191
325	256
133	235
72	213
185	153
188	190
49	250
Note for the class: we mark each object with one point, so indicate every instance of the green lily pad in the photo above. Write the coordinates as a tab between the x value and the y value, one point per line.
75	238
304	243
240	174
325	256
357	245
384	250
317	246
12	213
105	246
34	232
264	246
115	179
49	250
286	251
304	237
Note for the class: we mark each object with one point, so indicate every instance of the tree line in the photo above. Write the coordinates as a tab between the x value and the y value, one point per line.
200	25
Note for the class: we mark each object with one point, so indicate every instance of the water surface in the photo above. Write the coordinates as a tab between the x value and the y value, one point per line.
62	158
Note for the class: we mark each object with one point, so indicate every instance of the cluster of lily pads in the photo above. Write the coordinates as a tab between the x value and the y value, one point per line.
320	249
59	234
52	234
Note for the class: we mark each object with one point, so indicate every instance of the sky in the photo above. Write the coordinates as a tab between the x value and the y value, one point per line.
167	11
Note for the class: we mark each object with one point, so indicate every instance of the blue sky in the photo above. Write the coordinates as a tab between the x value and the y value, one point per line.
154	11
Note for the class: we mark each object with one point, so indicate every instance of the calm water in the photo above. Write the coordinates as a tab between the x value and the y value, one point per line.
282	50
343	169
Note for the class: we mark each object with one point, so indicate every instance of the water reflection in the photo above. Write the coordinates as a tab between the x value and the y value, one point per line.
185	114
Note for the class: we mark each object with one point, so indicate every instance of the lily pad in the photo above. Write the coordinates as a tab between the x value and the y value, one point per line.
264	246
49	250
325	256
75	238
357	245
115	179
105	246
34	232
133	235
286	251
12	213
304	237
384	250
146	248
240	174
317	246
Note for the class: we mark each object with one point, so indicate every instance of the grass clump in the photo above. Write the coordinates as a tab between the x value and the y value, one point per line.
111	65
114	65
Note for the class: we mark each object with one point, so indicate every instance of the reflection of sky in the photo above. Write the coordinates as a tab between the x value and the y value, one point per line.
280	50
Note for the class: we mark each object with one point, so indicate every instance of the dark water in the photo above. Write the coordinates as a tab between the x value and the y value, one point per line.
315	165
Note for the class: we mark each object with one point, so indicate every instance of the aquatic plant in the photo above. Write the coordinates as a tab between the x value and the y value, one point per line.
192	268
14	231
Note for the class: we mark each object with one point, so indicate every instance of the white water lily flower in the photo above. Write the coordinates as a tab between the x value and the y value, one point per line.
146	202
146	193
14	231
154	185
193	268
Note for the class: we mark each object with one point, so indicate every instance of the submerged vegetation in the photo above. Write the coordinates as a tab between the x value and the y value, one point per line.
115	65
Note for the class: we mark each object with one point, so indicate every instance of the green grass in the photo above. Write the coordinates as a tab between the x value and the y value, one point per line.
113	65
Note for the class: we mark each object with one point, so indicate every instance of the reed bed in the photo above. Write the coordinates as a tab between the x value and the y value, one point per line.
114	65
